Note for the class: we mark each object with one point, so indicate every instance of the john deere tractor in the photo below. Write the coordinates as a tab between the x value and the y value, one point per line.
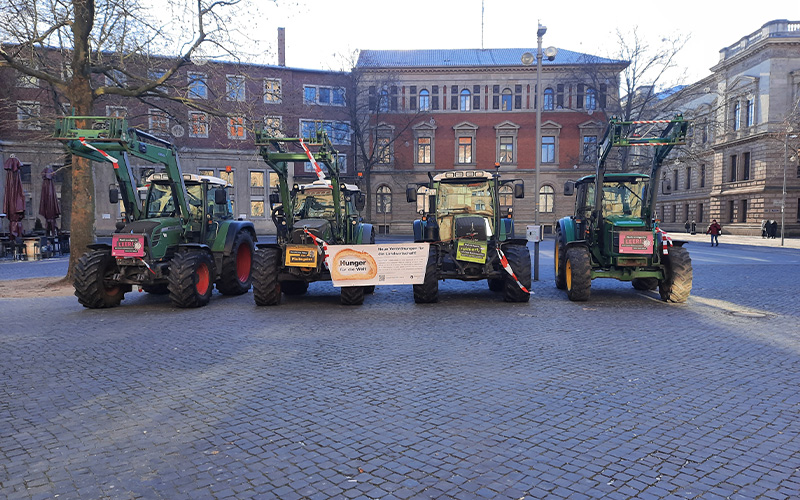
470	237
307	217
613	233
180	240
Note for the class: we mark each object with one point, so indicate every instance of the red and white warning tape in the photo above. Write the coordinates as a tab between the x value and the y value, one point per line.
666	241
510	271
317	169
320	243
106	155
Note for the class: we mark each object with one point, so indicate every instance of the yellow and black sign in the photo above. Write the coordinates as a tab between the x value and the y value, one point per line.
301	256
471	251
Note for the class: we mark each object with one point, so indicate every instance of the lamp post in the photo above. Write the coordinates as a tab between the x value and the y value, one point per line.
785	164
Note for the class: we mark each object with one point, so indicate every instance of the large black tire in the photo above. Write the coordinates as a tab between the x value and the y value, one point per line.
266	287
428	291
677	284
519	258
158	289
237	276
294	287
578	273
560	261
191	275
94	285
645	284
495	284
351	295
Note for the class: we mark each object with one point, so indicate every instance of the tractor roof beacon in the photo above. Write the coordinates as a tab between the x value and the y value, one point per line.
613	233
179	240
307	218
471	237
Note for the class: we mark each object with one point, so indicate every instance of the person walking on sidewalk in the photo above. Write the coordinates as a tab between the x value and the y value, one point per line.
714	229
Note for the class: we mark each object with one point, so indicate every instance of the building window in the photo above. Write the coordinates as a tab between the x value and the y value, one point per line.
272	91
591	98
700	214
424	100
743	211
338	132
236	128
156	74
234	88
746	166
384	151
158	122
688	177
737	115
675	180
464	101
560	96
28	114
547	198
383	200
703	175
589	149
732	177
674	213
198	86
548	149
731	210
273	125
198	124
506	155
464	150
258	193
324	96
548	99
751	117
506	100
117	111
424	150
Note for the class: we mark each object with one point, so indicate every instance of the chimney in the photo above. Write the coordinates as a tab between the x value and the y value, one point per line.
281	47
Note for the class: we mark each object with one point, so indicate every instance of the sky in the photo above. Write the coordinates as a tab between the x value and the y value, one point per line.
318	32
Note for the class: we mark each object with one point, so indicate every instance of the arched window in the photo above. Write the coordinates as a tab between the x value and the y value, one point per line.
383	200
465	100
506	198
591	98
424	100
548	99
547	198
507	100
383	103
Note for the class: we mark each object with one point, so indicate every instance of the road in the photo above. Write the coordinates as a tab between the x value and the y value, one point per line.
620	397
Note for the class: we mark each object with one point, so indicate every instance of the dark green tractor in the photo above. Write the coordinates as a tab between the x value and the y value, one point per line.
180	240
470	238
613	233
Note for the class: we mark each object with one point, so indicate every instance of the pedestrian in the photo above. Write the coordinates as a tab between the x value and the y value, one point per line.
694	227
714	229
774	229
764	232
687	226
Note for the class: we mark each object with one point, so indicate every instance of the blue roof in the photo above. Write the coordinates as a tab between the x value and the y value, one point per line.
468	58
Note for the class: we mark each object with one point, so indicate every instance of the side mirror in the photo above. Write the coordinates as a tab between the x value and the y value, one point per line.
411	194
666	187
569	188
360	201
519	190
113	195
220	197
274	198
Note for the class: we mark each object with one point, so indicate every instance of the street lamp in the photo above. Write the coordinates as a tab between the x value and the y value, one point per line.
785	164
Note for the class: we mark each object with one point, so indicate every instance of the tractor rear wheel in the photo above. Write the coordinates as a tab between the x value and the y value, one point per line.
645	284
94	280
519	258
191	278
237	276
266	287
560	261
677	284
352	295
294	287
428	291
578	274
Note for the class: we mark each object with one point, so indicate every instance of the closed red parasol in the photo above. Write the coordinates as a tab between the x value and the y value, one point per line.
48	204
14	202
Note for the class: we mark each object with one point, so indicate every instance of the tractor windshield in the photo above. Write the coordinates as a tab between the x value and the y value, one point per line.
623	198
160	202
316	203
465	198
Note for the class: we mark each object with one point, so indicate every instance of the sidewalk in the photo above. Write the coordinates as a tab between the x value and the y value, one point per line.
735	239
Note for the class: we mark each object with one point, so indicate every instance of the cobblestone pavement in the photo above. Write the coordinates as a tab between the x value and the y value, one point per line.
472	398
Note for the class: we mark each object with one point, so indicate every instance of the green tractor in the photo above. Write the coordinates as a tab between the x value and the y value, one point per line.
613	233
180	240
470	239
307	218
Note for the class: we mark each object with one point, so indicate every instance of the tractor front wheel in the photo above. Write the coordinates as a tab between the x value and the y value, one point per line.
266	287
191	278
578	274
352	295
519	258
560	261
236	276
94	280
677	284
428	291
